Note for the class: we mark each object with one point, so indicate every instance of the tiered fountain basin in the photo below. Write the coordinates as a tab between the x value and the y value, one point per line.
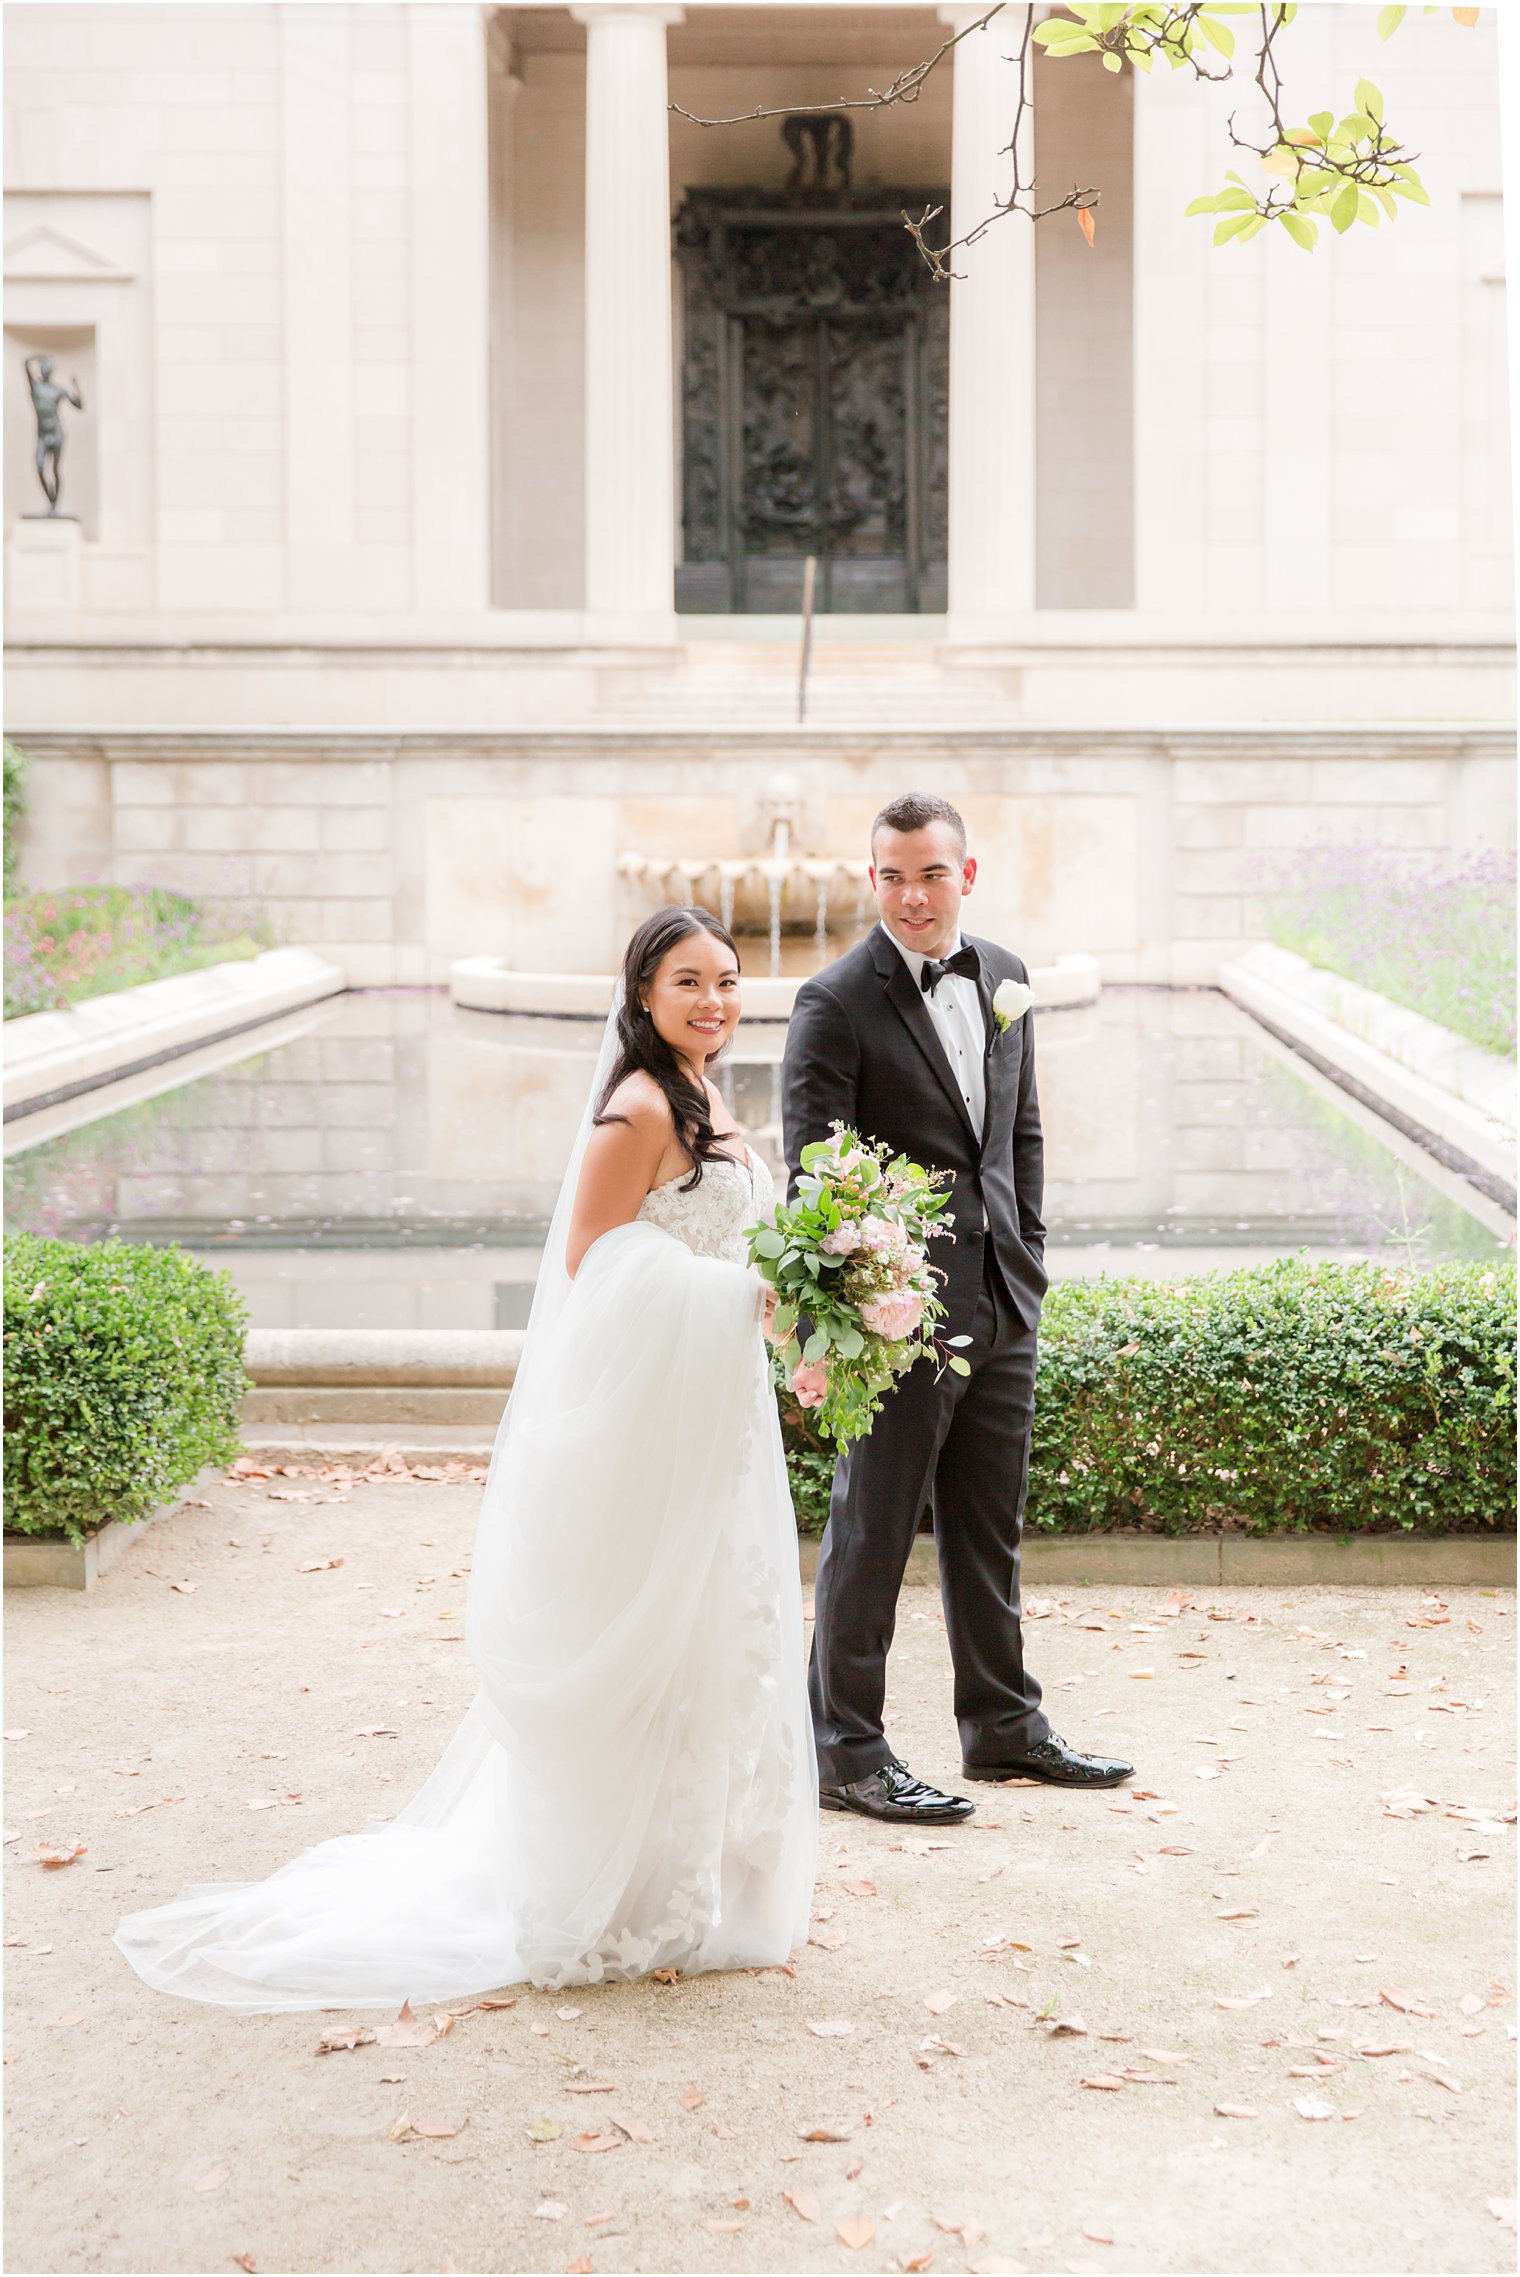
489	984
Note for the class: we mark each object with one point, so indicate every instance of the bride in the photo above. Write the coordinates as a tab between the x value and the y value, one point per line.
633	1787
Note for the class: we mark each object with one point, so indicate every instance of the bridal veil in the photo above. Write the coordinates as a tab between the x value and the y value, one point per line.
633	1786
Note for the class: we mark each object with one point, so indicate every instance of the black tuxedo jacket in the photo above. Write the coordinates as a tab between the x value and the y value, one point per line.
863	1050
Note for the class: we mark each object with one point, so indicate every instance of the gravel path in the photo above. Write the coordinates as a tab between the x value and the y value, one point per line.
1229	1934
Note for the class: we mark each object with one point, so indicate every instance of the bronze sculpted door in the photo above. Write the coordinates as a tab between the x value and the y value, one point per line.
813	405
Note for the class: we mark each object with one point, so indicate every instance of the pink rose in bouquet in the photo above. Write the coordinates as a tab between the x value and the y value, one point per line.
894	1315
849	1261
882	1237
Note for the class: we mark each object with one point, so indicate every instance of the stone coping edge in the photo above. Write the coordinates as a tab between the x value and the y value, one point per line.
1192	1561
1144	1560
488	984
33	1562
50	1056
1429	1081
345	1357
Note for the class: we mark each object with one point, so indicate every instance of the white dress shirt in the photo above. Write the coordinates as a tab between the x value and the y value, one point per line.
955	1008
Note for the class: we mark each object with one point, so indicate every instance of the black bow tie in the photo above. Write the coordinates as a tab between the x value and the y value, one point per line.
964	961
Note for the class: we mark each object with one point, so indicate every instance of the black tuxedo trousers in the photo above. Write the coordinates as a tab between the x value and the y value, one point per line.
959	1444
862	1050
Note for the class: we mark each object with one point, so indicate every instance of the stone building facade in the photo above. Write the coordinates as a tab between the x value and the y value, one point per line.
402	596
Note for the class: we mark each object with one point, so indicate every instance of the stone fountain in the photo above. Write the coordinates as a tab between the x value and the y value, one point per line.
775	891
784	890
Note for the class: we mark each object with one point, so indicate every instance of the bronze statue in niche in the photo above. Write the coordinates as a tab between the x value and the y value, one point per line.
48	397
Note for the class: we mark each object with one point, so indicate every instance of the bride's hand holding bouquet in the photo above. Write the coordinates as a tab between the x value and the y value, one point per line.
849	1258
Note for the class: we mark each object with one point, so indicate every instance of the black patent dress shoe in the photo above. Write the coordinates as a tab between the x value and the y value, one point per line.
1058	1765
893	1793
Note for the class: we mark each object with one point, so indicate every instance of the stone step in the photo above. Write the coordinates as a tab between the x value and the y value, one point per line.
335	1442
908	704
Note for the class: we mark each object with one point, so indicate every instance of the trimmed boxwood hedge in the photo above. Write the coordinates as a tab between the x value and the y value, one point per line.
1290	1398
123	1378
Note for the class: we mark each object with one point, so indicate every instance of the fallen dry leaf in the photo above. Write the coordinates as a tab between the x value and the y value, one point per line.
213	2180
438	2130
1065	2027
319	1565
859	1888
938	2002
1096	2234
718	2229
46	1855
802	2202
591	2144
552	2210
543	2130
1313	2107
1405	2002
1243	1999
1109	2081
345	2036
855	2232
822	2135
408	2031
244	2261
634	2129
1236	2111
831	2028
693	2099
827	1940
970	2233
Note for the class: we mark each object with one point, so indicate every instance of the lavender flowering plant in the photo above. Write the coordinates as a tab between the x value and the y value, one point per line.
1433	931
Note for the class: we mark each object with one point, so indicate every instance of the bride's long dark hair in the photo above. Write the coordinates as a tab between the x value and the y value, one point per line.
641	1047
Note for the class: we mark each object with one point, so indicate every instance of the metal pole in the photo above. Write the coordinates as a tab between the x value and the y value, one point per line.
809	578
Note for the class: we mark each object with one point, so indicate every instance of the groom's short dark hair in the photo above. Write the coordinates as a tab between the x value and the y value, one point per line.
915	810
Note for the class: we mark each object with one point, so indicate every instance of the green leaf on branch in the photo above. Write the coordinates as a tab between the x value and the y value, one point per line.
1343	209
1217	35
1369	99
1301	229
1231	226
1389	20
1323	123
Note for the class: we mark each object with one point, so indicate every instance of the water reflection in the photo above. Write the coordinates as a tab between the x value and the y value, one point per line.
394	1165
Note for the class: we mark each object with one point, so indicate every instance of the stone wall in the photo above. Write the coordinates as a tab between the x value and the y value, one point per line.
323	266
397	854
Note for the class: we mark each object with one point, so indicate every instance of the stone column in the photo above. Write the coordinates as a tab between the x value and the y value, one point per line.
630	384
992	438
449	206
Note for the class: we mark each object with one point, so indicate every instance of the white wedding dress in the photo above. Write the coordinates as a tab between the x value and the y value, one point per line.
634	1786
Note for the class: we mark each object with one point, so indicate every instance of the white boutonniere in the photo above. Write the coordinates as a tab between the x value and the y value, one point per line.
1010	1002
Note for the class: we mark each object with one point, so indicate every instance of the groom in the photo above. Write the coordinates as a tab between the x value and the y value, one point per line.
900	1040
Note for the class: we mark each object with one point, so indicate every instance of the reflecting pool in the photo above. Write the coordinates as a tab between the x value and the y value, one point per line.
388	1159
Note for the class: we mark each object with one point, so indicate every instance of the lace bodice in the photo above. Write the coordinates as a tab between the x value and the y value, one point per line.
712	1219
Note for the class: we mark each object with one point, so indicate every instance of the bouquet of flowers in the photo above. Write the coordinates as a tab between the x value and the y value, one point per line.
851	1256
